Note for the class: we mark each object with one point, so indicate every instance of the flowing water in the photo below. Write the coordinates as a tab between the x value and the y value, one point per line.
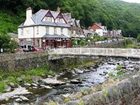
91	77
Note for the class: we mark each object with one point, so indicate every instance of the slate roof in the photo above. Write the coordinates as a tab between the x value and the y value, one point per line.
38	16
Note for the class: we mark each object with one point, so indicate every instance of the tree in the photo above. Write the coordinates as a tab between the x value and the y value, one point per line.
6	44
138	38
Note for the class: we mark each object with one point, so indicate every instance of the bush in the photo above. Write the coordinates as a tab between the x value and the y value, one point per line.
138	38
7	44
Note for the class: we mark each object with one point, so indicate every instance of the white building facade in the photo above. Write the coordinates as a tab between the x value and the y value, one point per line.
44	28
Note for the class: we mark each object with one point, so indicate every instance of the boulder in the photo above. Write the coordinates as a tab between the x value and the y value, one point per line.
16	92
23	98
18	100
34	84
76	81
27	84
66	95
46	87
78	71
8	88
51	81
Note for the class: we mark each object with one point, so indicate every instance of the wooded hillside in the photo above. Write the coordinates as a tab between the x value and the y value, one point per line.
115	14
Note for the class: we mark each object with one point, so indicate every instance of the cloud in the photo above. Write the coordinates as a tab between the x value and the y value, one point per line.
132	1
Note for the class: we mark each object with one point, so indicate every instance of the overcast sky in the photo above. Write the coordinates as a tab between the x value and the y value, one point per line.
132	1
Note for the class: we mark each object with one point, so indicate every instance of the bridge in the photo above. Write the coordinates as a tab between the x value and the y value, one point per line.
112	52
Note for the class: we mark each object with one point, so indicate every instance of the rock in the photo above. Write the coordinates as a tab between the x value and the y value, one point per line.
52	81
65	78
23	98
18	100
27	84
8	88
36	78
73	72
47	87
75	81
101	74
79	71
49	76
105	73
34	87
66	95
87	70
17	91
14	97
72	103
34	84
12	85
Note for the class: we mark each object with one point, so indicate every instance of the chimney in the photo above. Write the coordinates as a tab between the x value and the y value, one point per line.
28	13
58	9
100	24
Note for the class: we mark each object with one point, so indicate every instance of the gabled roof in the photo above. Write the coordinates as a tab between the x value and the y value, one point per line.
55	14
38	17
97	26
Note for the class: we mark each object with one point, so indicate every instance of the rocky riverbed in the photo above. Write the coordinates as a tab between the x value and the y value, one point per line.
62	85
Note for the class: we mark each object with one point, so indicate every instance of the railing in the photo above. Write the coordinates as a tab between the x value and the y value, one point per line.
135	53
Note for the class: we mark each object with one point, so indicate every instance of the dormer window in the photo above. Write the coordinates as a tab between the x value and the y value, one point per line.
59	20
48	19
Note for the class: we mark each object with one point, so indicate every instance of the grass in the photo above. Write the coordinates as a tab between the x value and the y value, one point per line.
20	76
25	76
117	73
129	43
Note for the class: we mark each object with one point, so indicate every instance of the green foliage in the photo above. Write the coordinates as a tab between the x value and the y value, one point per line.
81	102
2	86
67	99
13	45
52	103
130	43
117	73
115	14
7	44
4	41
26	76
138	38
88	40
105	92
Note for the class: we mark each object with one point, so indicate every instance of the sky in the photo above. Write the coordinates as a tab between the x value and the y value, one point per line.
132	1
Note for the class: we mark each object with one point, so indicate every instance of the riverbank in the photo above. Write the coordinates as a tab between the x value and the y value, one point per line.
74	84
12	81
121	88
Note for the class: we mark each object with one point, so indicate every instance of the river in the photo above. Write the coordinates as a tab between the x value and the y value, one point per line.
76	81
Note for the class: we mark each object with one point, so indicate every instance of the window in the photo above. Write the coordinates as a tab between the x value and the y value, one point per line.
48	19
60	20
37	30
21	31
55	30
62	31
47	30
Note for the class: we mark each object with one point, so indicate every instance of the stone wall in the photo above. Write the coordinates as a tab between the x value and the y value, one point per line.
123	93
22	61
65	63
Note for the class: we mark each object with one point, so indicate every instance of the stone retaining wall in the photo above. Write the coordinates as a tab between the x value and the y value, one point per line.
24	61
123	93
21	61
